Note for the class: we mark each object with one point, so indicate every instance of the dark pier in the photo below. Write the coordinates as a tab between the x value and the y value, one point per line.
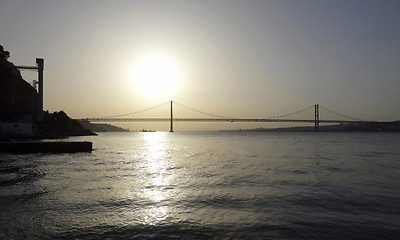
45	147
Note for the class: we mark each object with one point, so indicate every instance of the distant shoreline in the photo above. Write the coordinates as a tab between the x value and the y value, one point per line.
346	127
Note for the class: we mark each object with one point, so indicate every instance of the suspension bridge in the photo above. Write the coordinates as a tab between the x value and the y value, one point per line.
218	118
210	117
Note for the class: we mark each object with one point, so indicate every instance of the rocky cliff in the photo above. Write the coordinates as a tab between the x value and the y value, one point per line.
16	95
19	97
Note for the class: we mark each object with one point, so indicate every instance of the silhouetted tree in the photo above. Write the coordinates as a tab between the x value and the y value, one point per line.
4	54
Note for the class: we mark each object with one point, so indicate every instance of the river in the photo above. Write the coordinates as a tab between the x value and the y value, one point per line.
207	185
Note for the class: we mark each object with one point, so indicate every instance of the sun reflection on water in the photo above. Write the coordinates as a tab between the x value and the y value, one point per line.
156	179
155	215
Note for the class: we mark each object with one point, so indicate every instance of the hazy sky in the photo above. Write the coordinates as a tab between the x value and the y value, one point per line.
233	58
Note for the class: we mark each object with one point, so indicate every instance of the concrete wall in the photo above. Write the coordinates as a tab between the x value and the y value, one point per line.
15	129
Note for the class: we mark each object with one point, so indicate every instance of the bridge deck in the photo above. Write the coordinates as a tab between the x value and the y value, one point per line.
211	120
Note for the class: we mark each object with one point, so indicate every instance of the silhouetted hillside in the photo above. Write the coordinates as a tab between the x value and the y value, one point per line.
58	124
102	127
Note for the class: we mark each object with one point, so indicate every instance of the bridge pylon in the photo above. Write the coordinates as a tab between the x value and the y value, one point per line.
171	128
316	121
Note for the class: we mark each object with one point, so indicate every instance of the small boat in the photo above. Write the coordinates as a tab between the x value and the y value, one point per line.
145	130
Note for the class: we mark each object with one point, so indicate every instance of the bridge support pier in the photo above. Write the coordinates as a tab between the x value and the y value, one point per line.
316	121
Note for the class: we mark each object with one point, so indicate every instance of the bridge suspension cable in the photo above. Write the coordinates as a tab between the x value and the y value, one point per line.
341	115
293	113
206	113
137	112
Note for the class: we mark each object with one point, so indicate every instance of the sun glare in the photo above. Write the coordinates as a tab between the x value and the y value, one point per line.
155	75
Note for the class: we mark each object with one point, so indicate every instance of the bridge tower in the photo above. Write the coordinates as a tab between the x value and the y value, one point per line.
316	121
171	129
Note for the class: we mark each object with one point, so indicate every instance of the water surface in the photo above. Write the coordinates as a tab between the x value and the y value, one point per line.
207	186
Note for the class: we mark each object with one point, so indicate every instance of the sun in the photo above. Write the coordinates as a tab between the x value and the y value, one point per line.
155	75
